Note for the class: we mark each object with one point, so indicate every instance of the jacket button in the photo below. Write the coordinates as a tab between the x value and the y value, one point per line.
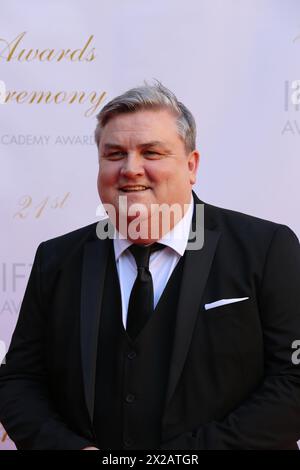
130	398
128	442
131	355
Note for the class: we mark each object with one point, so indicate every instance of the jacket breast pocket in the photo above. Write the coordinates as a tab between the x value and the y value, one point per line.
234	334
229	306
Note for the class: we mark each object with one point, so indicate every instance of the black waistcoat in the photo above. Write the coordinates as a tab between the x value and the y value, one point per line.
131	377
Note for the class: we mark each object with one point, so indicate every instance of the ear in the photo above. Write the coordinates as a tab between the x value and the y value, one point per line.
193	163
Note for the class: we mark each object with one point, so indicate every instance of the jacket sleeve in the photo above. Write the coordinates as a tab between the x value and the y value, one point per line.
270	417
26	410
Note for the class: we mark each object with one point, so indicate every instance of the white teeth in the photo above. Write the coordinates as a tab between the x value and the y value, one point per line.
135	188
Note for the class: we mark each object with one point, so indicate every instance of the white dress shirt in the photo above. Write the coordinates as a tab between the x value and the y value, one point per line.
161	264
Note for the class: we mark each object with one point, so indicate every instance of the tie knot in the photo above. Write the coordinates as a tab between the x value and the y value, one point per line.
142	253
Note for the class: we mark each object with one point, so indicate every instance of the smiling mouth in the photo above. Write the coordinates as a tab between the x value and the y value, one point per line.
131	189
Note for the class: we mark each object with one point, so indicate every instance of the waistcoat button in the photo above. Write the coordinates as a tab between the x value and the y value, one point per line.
130	398
131	355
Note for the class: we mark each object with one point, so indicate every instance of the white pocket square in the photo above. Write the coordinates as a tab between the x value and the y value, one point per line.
218	303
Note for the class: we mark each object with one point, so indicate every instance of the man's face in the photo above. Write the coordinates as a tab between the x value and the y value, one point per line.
142	157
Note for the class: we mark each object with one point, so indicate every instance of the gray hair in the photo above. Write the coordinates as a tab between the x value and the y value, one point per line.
153	97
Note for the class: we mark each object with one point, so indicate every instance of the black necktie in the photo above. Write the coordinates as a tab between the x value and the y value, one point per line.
141	303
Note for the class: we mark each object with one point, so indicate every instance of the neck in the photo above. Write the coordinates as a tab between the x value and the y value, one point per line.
145	231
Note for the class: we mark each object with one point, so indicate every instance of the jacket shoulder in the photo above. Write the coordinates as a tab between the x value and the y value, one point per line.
58	250
244	225
75	236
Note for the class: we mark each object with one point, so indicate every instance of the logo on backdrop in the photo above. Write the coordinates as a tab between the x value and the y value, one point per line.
30	207
291	102
13	279
292	106
21	50
2	92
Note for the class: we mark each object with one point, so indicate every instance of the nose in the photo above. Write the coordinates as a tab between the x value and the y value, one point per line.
132	166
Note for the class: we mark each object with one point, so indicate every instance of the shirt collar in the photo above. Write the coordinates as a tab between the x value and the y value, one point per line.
176	239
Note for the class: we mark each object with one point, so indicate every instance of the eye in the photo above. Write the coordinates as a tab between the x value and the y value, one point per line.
152	153
116	155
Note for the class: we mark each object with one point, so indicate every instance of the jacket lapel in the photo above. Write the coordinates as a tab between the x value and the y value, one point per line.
196	269
195	273
95	259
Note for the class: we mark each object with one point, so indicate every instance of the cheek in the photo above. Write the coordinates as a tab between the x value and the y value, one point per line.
168	177
107	174
105	184
160	174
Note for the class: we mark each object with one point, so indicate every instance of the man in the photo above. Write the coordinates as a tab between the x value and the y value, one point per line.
129	343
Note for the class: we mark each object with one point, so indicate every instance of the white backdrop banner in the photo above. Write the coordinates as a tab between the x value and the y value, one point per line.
235	64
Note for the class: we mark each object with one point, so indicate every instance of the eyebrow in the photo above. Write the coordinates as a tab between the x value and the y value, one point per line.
153	143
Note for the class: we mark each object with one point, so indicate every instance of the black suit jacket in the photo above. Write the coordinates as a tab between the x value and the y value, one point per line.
232	382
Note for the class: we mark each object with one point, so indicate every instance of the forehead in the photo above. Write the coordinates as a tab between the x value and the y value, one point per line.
133	128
